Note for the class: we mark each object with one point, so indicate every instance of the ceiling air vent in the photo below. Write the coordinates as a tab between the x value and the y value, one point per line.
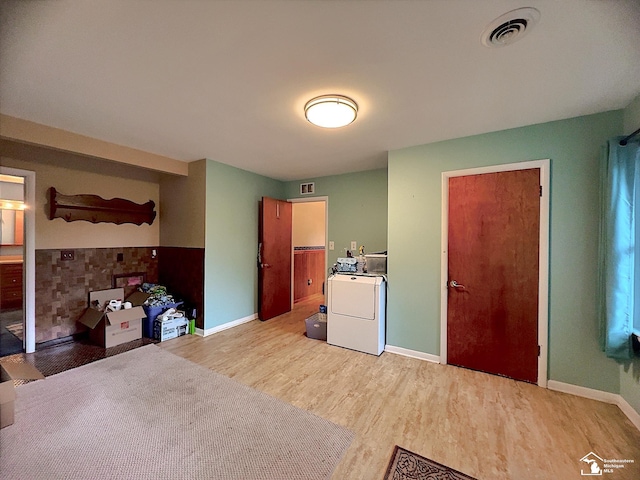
510	27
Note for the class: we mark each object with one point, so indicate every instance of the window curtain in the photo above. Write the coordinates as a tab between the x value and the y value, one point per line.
620	167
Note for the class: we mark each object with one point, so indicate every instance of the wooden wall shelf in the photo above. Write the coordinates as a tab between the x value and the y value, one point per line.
95	209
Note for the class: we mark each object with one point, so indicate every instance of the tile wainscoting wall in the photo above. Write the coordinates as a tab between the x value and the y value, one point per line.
63	286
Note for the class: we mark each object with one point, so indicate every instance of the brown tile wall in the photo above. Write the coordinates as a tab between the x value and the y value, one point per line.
63	286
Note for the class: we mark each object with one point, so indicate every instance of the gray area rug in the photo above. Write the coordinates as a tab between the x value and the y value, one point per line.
406	465
150	414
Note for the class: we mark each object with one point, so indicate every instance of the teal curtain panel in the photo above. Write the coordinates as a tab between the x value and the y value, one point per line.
619	272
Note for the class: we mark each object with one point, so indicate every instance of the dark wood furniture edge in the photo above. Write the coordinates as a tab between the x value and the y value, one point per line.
95	209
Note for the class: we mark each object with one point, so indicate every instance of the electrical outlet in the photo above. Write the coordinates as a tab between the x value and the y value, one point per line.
354	245
332	245
67	255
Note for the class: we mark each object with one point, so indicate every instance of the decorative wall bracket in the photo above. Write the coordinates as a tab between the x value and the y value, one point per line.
95	209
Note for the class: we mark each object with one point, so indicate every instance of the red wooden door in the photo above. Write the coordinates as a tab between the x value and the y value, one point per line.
492	315
274	258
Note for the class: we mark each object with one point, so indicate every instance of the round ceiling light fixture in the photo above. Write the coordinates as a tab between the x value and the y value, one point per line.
331	111
510	27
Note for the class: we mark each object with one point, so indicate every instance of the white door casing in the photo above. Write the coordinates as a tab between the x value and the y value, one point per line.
543	275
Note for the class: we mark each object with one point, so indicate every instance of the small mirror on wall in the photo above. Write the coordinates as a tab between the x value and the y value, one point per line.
12	227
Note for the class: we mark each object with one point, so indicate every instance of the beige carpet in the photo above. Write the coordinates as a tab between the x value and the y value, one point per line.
148	414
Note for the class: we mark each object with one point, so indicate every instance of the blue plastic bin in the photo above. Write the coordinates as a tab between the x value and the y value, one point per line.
152	313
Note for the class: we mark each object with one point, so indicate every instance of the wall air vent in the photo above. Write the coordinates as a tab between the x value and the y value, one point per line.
510	27
307	188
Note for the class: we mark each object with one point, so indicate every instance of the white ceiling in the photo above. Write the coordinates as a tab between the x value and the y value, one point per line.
227	80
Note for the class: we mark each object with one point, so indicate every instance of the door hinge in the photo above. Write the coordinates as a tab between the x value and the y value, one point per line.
538	350
540	190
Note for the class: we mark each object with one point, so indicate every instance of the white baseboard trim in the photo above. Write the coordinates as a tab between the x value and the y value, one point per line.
225	326
585	392
599	395
405	352
629	411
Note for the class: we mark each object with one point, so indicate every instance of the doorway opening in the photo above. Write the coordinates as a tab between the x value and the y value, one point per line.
17	261
455	288
309	244
11	257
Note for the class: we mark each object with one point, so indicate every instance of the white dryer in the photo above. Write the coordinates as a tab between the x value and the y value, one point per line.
356	312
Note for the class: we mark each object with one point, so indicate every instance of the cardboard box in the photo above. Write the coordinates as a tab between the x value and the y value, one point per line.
172	327
137	299
152	313
317	326
8	373
109	329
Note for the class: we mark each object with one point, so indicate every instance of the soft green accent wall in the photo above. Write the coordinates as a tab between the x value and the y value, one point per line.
413	310
630	371
630	383
632	117
231	241
357	209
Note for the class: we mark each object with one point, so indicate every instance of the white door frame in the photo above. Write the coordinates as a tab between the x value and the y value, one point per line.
29	258
543	272
324	199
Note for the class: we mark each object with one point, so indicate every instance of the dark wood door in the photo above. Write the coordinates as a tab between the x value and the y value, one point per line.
492	313
274	258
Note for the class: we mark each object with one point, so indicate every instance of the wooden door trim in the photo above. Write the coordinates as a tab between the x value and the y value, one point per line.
543	274
324	199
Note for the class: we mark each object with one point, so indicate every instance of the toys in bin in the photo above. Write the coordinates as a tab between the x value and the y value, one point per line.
158	295
157	302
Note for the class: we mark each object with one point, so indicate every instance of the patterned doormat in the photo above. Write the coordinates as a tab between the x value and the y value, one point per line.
16	329
406	465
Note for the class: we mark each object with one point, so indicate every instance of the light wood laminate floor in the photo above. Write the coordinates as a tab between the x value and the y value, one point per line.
486	426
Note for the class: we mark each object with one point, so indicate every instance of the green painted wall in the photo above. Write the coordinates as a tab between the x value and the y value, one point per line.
630	383
631	117
413	318
357	209
231	241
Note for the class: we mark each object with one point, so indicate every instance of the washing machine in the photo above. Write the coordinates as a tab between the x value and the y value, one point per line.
356	312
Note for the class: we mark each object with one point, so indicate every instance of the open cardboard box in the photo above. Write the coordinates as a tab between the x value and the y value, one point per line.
109	329
8	373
